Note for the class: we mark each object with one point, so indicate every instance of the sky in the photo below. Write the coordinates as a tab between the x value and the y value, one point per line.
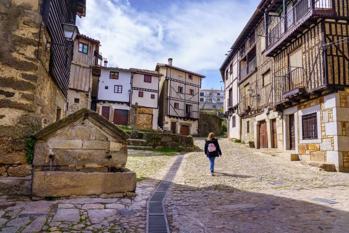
141	33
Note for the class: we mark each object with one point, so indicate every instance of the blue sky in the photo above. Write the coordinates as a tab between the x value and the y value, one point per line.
141	33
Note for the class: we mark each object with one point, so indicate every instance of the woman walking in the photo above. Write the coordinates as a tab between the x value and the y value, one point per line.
212	150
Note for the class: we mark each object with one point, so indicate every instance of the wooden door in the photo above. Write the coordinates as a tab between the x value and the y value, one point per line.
292	133
120	117
274	134
106	112
174	127
185	130
263	135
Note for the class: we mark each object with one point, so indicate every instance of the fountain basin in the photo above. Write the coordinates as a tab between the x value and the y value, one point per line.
81	155
65	184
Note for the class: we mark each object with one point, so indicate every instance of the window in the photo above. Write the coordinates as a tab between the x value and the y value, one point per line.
152	96
147	78
117	89
106	87
140	94
201	99
218	99
263	43
76	100
58	114
191	91
247	127
309	126
218	93
187	109
180	89
202	94
295	59
233	121
114	75
266	79
83	48
190	77
176	105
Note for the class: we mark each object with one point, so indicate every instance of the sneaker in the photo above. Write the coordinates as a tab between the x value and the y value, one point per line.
212	173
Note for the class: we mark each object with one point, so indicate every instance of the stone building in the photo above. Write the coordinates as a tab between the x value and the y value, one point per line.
144	99
293	79
86	55
211	99
35	59
179	99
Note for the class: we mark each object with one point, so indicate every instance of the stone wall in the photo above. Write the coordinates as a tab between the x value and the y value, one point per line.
209	123
247	136
332	145
28	96
84	101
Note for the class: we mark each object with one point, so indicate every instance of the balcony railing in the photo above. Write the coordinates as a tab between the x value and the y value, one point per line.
294	17
250	68
292	84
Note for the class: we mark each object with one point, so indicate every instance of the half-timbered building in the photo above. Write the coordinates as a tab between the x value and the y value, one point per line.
300	78
179	99
144	99
86	55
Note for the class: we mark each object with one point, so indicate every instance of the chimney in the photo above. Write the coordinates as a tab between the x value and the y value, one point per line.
105	63
170	60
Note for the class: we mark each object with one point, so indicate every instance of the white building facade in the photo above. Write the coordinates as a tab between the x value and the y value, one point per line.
145	99
231	97
114	91
211	99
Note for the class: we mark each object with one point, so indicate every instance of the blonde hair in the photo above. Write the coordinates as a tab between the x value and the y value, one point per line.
210	136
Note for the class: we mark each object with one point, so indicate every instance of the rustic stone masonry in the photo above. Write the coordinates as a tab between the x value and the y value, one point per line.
82	154
28	96
333	146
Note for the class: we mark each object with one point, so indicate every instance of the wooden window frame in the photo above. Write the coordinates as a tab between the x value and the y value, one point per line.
114	75
180	89
82	47
176	105
192	92
152	96
118	89
147	78
140	94
310	126
190	77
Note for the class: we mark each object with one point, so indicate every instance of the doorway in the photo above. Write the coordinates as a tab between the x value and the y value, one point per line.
274	143
105	112
120	117
291	132
185	130
263	135
174	127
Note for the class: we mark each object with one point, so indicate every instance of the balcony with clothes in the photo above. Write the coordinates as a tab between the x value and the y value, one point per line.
284	21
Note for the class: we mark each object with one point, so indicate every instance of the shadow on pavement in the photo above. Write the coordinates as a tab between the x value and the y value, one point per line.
231	175
221	208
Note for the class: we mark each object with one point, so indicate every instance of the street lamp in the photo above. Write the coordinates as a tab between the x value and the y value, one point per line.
70	31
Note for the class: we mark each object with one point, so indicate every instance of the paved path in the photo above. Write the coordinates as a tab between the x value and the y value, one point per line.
156	214
255	192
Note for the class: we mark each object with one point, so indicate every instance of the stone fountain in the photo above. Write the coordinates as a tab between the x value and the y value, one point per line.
81	155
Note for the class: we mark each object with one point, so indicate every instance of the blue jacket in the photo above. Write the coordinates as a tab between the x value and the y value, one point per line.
216	153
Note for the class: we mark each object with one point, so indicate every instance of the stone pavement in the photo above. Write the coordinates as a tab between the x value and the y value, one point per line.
78	214
256	192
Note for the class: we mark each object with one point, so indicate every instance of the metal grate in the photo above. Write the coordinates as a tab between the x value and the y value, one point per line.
156	216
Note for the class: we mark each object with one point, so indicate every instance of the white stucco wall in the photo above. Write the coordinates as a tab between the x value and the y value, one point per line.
138	85
108	94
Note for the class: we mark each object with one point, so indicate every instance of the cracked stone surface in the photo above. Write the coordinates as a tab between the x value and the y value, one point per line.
255	192
87	214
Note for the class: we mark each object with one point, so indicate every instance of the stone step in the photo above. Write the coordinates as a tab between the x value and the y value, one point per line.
137	142
133	147
329	167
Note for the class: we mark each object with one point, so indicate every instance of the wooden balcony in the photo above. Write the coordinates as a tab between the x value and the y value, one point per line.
295	87
295	21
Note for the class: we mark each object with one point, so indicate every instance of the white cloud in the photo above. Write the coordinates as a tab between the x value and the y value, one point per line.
196	33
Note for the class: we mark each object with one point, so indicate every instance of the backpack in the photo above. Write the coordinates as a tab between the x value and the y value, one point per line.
211	147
